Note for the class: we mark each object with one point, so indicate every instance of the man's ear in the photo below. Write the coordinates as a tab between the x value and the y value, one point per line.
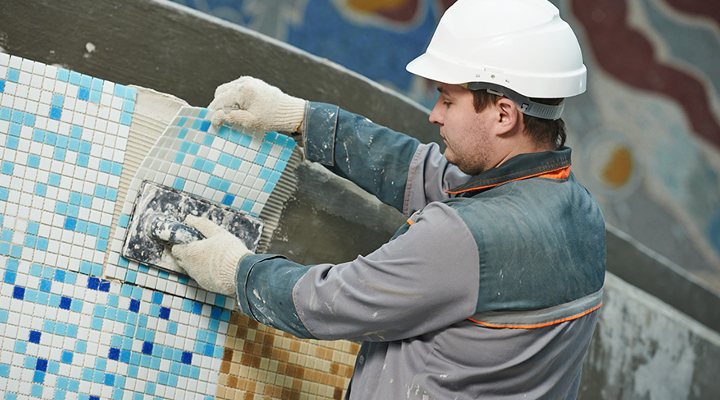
508	116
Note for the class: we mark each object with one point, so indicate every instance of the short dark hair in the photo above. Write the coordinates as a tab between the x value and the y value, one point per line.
541	130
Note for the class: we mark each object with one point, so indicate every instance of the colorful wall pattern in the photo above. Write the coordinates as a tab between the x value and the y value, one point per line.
646	135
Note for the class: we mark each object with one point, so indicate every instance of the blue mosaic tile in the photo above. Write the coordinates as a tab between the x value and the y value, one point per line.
13	75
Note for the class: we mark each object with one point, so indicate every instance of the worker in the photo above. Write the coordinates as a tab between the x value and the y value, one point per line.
492	288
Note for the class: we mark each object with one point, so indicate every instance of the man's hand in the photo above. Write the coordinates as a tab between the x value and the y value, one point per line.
212	261
257	105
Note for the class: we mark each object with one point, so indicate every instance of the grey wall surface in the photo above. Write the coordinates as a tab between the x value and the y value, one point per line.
643	349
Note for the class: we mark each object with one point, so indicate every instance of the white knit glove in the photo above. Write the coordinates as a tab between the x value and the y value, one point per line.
212	261
257	105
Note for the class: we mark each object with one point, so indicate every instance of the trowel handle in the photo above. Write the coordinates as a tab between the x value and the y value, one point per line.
173	232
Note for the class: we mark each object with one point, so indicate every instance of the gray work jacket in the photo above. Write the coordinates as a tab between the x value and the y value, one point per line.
490	290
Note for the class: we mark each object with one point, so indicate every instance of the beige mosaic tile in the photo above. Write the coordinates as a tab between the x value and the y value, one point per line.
264	363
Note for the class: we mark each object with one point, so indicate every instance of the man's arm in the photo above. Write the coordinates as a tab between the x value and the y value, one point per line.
394	167
423	280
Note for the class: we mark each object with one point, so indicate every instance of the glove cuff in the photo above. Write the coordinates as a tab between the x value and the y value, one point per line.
290	114
225	272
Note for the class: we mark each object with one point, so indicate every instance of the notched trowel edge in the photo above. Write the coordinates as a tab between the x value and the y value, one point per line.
156	202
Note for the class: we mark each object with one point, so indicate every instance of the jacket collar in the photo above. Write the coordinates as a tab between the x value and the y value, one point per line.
555	164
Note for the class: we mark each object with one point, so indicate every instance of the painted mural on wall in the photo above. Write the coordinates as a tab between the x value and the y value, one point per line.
646	135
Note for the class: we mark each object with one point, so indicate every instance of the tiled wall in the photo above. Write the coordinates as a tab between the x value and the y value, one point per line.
77	321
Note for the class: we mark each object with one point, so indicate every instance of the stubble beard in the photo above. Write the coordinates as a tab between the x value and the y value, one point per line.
471	163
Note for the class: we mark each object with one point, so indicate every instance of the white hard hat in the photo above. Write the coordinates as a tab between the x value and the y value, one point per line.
520	45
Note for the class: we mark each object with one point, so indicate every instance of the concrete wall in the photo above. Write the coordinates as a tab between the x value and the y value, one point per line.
643	348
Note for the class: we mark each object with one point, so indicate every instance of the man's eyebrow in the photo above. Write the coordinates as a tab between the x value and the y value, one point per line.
443	92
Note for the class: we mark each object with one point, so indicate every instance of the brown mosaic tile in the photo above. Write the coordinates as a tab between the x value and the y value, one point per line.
227	354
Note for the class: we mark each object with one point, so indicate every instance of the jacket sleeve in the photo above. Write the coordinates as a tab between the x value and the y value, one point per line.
421	281
396	168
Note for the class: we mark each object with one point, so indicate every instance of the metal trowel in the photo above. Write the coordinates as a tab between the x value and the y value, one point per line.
157	222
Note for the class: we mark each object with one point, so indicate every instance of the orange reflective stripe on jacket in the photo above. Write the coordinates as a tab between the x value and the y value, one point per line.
560	173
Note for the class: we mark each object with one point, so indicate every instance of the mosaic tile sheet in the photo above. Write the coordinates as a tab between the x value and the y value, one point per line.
229	167
66	333
262	362
63	136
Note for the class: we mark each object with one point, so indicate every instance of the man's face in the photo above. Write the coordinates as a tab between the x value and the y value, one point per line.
466	132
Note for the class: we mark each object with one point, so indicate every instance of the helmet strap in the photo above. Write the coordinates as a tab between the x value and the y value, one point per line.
526	106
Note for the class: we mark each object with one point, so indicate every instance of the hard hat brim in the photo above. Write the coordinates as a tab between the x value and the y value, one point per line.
439	69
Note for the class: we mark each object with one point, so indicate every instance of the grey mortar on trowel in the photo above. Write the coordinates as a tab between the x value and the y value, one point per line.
157	222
